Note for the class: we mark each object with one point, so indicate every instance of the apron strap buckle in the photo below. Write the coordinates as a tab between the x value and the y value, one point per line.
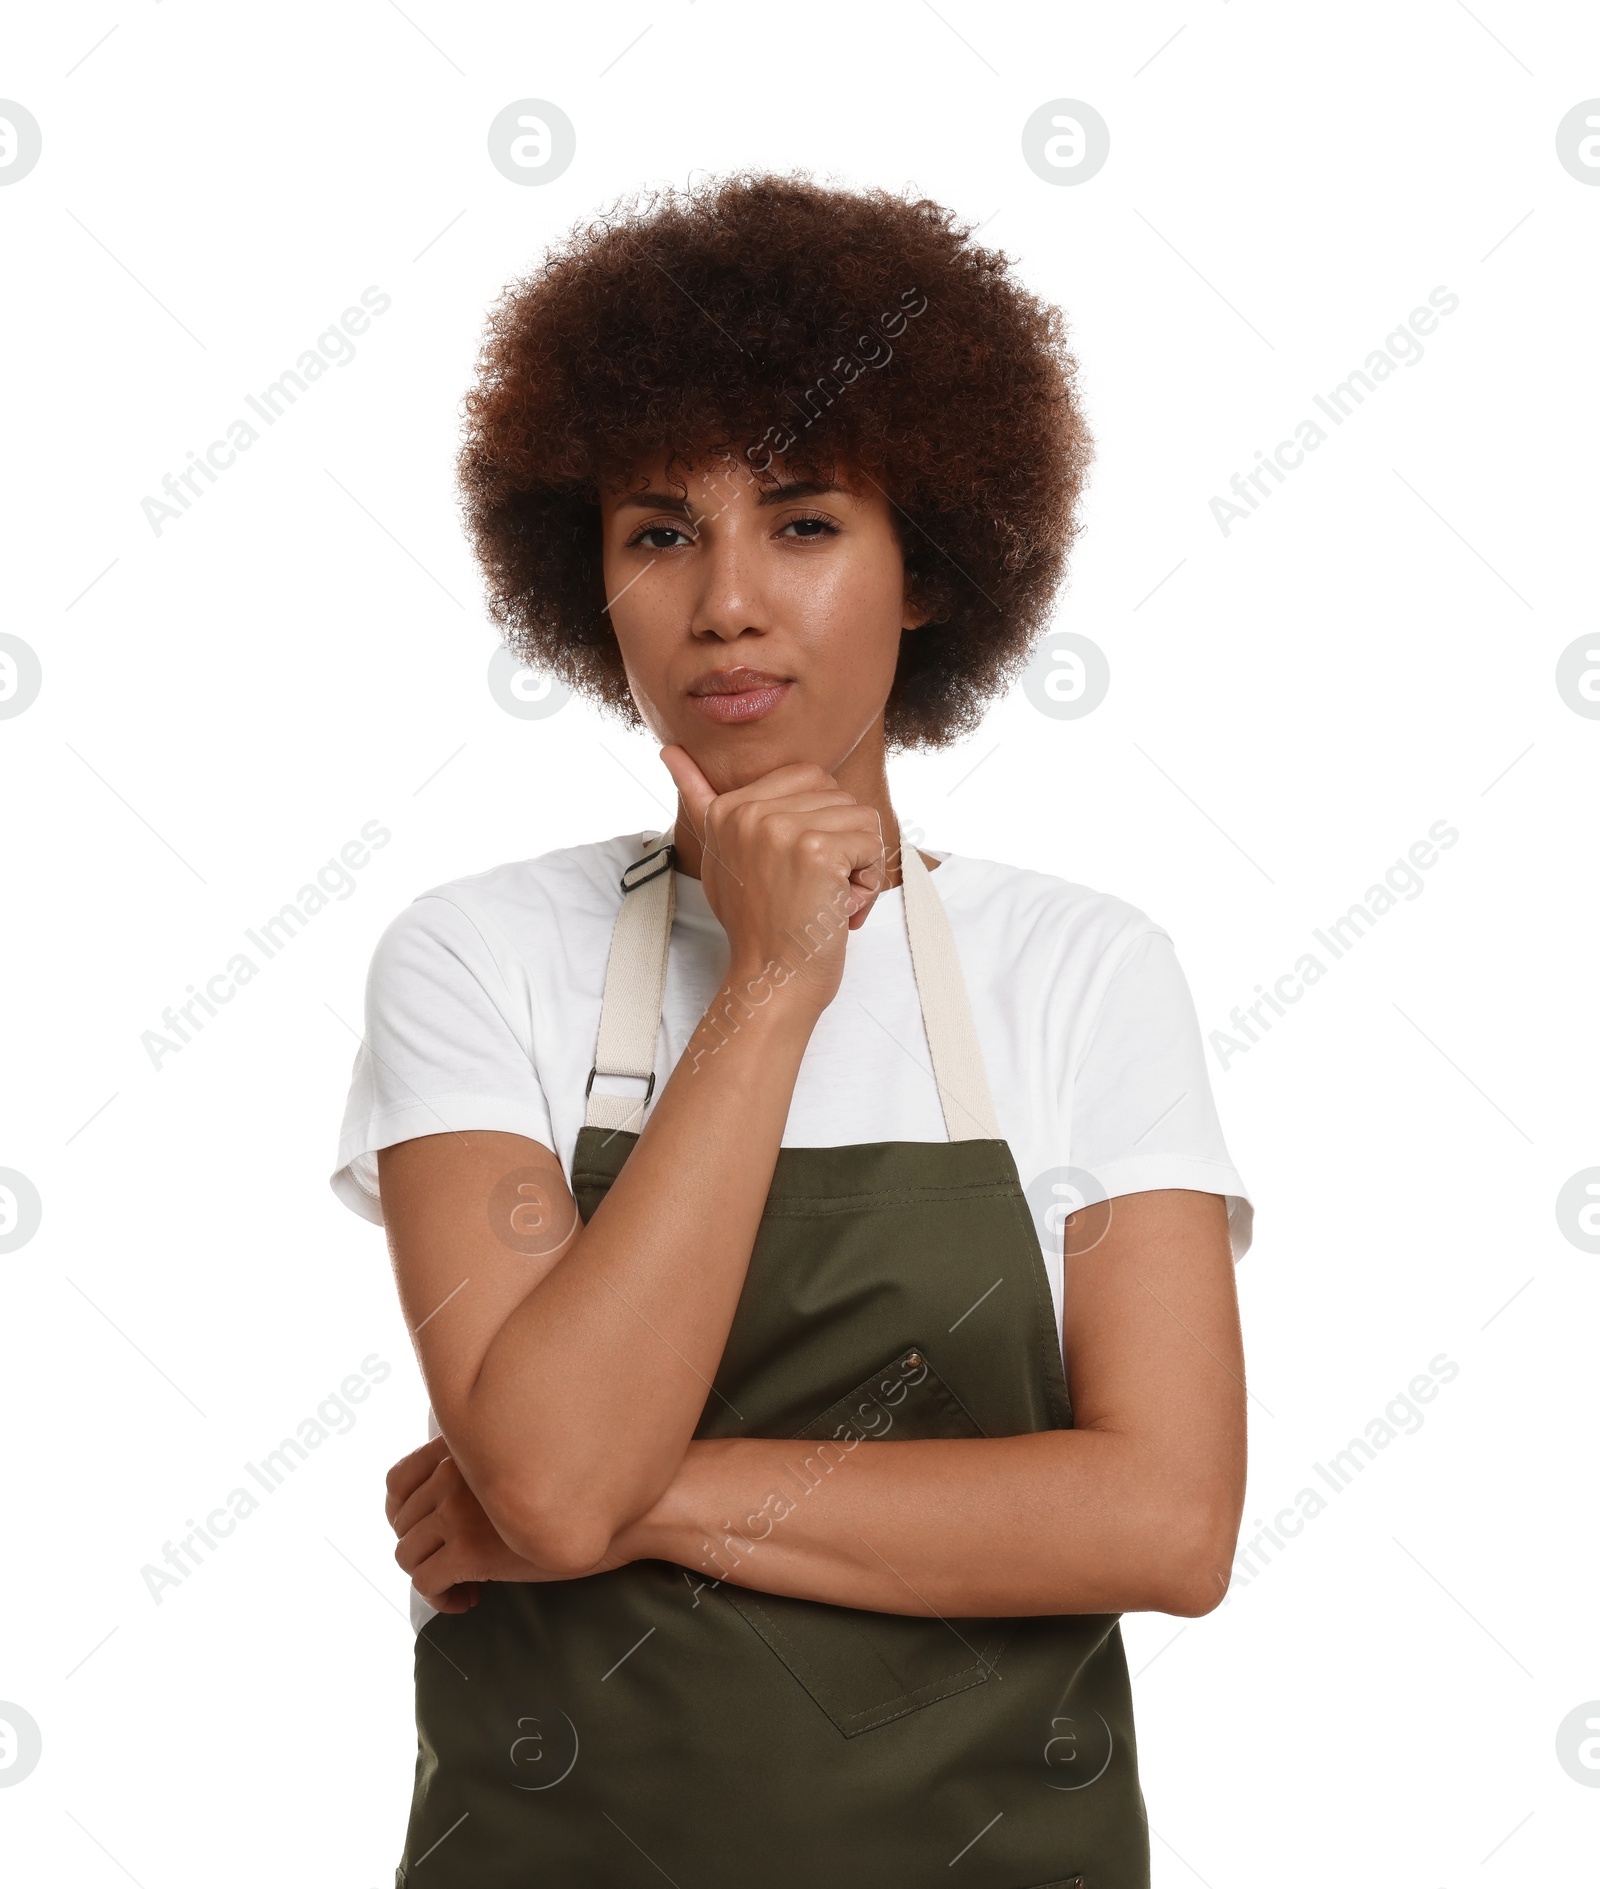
630	1075
635	876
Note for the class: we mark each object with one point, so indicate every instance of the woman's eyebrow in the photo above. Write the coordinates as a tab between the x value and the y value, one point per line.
798	489
656	502
770	495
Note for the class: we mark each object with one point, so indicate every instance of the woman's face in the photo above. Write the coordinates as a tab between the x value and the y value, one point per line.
759	619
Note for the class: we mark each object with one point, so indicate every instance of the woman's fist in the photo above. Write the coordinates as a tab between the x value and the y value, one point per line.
791	864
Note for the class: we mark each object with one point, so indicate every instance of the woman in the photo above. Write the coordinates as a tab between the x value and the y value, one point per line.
761	1534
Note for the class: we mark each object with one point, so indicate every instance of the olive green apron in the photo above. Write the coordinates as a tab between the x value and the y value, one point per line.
660	1722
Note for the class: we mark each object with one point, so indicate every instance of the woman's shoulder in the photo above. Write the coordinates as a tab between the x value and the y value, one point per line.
570	880
1037	910
514	911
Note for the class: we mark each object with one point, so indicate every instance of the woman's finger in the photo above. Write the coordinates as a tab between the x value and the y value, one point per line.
417	1545
856	833
454	1597
793	778
441	1577
459	1599
800	803
428	1497
411	1472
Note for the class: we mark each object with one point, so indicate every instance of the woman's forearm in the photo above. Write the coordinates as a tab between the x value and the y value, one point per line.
569	1397
570	1384
599	1376
1066	1521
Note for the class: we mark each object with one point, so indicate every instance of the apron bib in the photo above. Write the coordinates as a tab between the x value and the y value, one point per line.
662	1722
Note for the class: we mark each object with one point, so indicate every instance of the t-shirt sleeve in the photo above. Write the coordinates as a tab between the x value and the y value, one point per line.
1143	1115
446	1047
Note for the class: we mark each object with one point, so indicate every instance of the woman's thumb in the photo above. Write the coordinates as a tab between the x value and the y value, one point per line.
697	791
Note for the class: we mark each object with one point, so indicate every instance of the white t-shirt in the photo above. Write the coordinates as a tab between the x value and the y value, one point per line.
483	1003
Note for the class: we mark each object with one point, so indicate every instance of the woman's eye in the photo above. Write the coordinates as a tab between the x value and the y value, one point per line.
652	535
810	528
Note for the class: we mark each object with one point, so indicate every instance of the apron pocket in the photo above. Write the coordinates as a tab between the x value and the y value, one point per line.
905	1398
864	1668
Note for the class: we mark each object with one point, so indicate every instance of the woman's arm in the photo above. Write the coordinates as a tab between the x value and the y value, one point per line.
1137	1508
570	1382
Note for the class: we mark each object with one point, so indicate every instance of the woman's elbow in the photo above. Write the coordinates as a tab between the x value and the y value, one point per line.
553	1519
562	1537
1199	1592
1200	1563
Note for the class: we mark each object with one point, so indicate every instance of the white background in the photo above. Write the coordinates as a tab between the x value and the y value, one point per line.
1292	705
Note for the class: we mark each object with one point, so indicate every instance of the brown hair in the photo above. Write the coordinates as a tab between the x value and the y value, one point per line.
796	326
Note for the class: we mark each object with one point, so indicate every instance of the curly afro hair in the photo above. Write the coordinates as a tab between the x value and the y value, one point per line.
799	328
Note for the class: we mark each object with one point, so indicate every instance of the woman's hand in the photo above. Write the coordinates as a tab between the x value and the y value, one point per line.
791	864
448	1545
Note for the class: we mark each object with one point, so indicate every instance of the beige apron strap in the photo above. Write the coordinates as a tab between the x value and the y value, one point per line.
636	976
958	1069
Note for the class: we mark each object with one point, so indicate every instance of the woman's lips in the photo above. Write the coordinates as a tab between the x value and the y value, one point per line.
738	695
